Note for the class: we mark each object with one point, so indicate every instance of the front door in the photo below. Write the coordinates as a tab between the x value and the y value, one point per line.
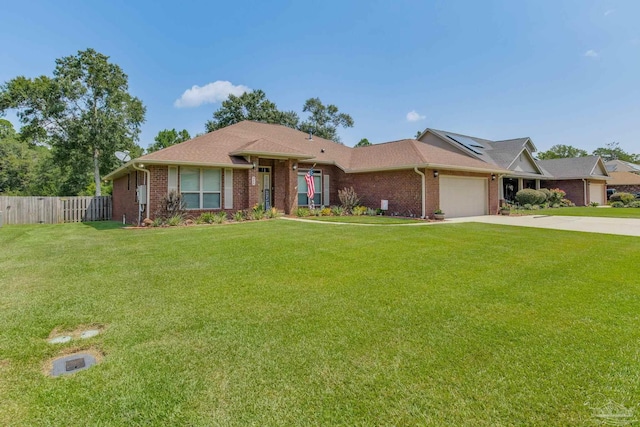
264	185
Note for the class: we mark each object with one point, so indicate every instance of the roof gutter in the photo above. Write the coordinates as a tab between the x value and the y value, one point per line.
430	166
423	196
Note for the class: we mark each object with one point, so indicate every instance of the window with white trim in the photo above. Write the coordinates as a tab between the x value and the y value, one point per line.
303	200
200	188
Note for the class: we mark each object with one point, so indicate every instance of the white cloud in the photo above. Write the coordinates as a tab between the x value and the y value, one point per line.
208	94
413	116
609	12
591	54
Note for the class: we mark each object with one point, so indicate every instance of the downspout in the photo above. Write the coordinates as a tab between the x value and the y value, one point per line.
424	201
147	180
584	181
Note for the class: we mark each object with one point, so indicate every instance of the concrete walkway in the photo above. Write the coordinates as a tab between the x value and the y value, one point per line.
620	226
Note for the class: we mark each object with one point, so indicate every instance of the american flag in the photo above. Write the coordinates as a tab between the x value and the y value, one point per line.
311	188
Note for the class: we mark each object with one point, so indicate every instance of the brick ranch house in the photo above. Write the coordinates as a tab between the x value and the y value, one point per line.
251	163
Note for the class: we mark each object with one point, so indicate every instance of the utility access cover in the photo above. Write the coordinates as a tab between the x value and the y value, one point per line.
71	364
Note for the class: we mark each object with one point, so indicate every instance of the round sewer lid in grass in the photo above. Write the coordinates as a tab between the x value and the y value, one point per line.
72	363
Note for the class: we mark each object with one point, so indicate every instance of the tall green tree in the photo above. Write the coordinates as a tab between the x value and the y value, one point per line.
21	165
561	151
84	112
612	151
252	105
364	142
168	137
324	120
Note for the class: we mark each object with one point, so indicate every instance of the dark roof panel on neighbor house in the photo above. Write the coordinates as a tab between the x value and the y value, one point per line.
575	167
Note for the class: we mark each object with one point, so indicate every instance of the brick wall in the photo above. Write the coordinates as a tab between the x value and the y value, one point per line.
401	188
240	189
125	202
124	197
573	187
159	176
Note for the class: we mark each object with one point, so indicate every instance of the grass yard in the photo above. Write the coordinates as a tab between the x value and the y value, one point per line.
289	323
365	219
587	211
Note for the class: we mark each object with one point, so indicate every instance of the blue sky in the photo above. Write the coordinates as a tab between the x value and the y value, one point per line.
560	72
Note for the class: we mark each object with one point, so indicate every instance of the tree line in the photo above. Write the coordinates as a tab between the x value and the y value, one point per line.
611	151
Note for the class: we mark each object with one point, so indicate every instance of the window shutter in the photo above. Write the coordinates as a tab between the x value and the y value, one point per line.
326	191
228	188
172	179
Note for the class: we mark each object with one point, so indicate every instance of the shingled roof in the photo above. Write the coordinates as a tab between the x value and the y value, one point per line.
229	147
576	168
622	166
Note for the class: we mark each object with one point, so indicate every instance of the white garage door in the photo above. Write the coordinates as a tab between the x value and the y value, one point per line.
596	194
463	196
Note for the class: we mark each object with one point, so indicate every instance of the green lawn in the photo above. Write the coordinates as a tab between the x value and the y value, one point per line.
588	211
365	219
289	323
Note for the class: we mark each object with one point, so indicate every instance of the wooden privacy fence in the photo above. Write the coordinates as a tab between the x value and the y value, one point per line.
53	210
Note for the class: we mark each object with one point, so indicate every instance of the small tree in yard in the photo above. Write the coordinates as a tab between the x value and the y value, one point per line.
348	198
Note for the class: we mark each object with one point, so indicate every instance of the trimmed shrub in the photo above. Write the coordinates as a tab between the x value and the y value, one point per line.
635	204
325	212
348	198
617	204
238	216
625	198
371	212
157	222
272	213
529	196
206	218
566	203
528	206
337	210
174	221
220	217
359	210
594	204
547	193
302	212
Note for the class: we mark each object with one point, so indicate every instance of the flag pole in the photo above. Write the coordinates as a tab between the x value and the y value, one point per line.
310	187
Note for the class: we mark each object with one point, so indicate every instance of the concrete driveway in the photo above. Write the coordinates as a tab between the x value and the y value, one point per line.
620	226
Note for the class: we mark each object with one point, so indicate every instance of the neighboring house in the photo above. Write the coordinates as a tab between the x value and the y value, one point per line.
625	176
250	163
582	178
622	166
625	182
